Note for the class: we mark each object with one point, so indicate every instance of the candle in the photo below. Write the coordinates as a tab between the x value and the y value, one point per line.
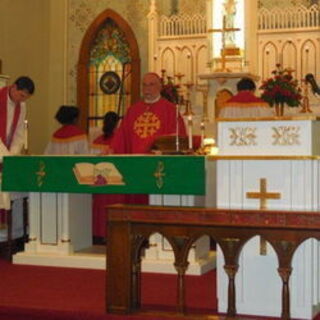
177	128
210	146
202	129
190	132
25	138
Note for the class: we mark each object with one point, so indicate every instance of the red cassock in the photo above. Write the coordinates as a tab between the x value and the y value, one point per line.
100	201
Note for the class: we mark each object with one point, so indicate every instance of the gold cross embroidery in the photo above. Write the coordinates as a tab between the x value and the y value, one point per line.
159	174
146	125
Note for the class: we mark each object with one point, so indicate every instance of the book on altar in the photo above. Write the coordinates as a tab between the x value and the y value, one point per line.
102	173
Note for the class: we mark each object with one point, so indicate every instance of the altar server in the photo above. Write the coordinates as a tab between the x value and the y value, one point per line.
245	104
101	145
69	138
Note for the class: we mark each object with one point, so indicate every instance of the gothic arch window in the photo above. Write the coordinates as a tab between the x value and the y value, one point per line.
108	69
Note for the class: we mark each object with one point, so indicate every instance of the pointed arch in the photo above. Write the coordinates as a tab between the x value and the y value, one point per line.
84	57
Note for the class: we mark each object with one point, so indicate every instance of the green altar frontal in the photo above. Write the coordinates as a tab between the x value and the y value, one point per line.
109	174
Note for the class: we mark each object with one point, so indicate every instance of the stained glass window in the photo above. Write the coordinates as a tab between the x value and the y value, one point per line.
109	54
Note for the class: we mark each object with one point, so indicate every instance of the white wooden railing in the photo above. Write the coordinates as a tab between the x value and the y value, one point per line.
294	17
182	25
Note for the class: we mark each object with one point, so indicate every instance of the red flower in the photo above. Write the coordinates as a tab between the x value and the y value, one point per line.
282	88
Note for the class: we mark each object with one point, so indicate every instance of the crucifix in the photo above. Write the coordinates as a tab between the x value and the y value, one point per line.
224	49
263	195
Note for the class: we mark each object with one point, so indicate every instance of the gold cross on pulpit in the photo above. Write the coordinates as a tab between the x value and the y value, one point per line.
223	31
263	195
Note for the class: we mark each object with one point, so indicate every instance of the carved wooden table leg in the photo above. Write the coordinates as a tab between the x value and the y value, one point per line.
181	269
120	267
136	284
285	275
231	271
9	235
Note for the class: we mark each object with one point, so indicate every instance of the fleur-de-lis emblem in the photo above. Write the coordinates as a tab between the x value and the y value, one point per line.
41	173
159	174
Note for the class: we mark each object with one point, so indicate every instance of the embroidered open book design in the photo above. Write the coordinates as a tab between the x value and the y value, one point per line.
102	173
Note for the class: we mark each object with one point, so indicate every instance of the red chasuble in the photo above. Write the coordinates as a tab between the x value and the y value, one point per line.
3	118
143	123
245	98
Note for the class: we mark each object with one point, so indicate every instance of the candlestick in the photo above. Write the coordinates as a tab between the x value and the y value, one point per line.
204	89
25	138
190	144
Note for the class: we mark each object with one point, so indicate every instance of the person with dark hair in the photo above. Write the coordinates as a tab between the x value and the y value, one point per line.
12	140
101	144
12	115
69	138
245	104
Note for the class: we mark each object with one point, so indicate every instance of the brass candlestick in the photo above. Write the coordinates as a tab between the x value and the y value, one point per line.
305	98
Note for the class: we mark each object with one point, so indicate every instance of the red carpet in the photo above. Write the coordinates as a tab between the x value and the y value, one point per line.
37	293
30	292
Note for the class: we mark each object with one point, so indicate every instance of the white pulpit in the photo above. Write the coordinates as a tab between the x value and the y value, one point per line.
283	153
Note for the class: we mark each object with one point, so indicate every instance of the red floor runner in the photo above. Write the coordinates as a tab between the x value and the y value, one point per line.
81	292
37	293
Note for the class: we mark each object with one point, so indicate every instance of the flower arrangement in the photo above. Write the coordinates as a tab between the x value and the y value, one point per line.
281	89
170	91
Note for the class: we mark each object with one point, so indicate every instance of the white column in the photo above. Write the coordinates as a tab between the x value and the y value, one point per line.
34	221
153	35
209	8
251	34
63	217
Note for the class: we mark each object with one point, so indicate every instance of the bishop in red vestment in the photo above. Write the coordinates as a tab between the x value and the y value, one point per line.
144	122
147	120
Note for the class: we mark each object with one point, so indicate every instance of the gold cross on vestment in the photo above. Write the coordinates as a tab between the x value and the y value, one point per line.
146	125
263	195
223	31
